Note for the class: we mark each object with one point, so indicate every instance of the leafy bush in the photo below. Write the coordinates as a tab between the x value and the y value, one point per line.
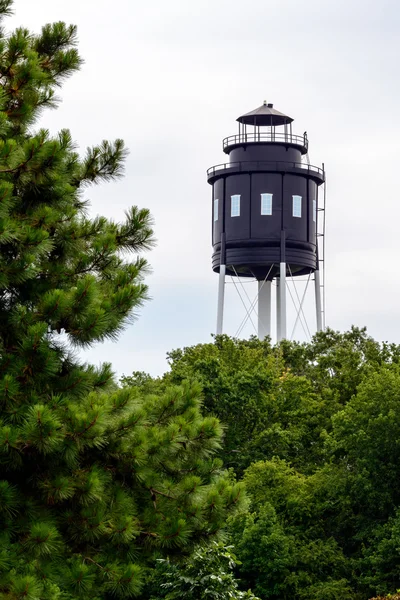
208	574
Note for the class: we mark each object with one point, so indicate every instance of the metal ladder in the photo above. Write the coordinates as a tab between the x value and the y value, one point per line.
321	224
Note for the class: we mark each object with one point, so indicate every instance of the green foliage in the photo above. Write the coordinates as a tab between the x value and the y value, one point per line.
207	574
313	429
279	401
388	597
338	527
267	409
336	363
144	382
125	478
281	545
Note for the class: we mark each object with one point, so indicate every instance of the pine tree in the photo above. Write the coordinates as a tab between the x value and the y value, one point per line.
95	481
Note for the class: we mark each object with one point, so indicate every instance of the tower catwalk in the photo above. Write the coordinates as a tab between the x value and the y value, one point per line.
265	209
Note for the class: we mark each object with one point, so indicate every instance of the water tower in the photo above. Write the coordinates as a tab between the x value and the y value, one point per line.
267	216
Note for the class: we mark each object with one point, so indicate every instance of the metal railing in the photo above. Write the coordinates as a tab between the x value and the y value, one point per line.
253	165
269	137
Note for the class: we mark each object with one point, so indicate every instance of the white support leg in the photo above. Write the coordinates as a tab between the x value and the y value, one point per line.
264	309
221	296
318	305
282	301
278	309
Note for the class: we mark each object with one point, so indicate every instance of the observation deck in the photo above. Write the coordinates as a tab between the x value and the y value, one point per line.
229	168
299	142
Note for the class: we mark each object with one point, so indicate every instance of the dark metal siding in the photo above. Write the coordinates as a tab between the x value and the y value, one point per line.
264	152
218	192
237	228
265	227
256	262
295	227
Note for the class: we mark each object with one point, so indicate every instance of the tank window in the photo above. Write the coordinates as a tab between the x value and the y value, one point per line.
266	204
235	205
216	209
297	206
314	210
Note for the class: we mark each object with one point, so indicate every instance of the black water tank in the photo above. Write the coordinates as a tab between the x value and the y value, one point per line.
265	199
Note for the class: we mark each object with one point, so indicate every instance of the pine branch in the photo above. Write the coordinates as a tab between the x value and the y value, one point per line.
103	163
158	493
95	563
5	8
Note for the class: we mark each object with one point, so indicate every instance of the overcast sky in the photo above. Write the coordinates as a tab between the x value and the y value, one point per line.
171	77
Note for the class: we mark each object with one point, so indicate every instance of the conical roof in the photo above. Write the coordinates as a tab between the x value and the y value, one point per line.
265	115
